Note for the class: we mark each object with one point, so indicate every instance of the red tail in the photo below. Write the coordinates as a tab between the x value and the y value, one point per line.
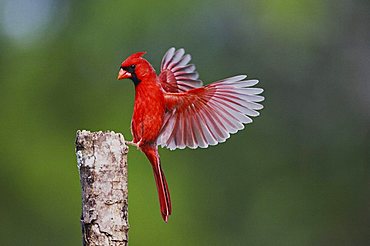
163	192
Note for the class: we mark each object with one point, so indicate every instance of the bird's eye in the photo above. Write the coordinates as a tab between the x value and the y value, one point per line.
132	66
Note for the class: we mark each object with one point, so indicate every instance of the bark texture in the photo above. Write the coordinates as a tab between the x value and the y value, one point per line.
102	164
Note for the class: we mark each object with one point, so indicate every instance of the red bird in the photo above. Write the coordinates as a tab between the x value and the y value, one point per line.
174	110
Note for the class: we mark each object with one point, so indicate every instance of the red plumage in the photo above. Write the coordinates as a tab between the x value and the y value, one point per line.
174	110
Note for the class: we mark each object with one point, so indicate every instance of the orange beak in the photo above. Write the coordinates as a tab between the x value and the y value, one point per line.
122	74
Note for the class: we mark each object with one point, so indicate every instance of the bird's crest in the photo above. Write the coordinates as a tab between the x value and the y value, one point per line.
134	58
138	54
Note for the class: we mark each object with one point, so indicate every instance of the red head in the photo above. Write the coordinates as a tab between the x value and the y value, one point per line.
135	67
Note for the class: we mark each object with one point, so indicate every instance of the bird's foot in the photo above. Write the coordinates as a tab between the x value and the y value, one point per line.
132	144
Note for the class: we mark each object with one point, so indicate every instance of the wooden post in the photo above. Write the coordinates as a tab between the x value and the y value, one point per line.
102	164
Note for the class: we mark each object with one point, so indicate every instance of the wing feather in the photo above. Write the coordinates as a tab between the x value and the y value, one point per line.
176	74
207	116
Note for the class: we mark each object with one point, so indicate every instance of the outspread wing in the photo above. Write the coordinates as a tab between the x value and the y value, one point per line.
208	115
177	75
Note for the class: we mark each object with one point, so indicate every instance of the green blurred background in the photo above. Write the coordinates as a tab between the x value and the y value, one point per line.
299	175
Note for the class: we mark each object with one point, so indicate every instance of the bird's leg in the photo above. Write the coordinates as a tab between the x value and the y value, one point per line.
132	143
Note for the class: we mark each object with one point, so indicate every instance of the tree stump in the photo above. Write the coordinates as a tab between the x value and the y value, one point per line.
102	165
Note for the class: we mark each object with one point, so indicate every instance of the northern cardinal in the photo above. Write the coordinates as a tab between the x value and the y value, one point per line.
175	110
